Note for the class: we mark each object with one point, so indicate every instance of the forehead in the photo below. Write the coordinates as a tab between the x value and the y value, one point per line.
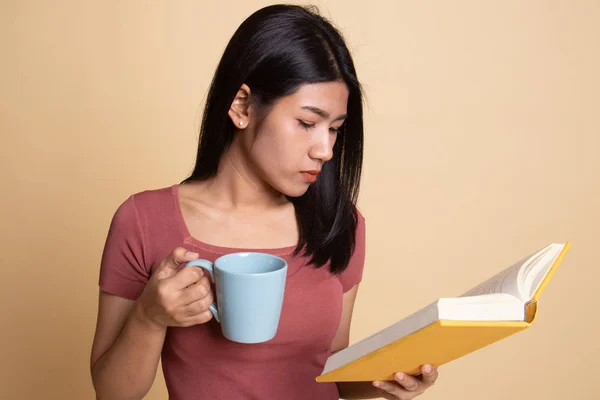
331	97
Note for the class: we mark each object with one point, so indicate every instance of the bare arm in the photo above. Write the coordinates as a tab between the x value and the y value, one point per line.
126	350
130	334
351	390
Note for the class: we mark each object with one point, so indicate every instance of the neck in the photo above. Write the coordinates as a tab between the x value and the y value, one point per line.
237	185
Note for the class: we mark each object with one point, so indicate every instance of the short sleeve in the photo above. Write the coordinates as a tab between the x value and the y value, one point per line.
122	269
352	275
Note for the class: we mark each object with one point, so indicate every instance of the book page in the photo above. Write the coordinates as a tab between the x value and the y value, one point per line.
506	281
537	271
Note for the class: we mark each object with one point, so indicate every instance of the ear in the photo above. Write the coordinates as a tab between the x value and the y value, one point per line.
239	112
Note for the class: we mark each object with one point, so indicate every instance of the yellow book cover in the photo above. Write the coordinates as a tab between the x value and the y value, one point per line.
450	328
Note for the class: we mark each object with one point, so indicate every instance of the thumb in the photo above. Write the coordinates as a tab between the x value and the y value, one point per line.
174	260
179	256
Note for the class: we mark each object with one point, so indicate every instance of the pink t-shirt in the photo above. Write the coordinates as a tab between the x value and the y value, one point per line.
198	362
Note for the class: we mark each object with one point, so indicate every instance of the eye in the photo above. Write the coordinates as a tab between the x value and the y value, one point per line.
305	125
339	130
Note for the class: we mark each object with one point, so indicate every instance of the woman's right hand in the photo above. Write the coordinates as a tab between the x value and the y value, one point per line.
176	296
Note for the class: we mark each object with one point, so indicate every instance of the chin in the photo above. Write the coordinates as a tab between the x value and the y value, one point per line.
292	190
297	193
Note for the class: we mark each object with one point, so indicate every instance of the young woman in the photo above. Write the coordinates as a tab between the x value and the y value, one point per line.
277	170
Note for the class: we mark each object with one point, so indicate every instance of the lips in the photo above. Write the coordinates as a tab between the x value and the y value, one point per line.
310	176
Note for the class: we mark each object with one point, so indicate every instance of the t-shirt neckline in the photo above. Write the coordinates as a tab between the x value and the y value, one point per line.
188	238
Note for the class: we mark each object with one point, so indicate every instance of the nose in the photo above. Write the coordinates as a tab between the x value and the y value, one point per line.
322	147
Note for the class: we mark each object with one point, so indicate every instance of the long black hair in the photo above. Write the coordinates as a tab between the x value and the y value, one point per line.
274	51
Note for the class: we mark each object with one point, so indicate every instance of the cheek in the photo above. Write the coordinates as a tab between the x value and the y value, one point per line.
278	156
278	149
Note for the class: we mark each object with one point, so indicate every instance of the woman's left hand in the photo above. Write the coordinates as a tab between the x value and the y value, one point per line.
407	387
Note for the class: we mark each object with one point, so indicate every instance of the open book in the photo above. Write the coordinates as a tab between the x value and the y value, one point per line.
450	328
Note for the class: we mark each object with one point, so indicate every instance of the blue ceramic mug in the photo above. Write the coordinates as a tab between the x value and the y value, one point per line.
249	294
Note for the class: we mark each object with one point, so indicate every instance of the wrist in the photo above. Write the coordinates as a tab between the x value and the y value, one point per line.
141	317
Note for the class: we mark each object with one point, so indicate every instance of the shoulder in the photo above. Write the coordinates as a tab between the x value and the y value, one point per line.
129	250
353	273
360	227
153	200
143	212
360	237
137	207
360	215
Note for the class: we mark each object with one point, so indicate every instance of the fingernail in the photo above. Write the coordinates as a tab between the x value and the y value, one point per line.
191	254
400	376
427	369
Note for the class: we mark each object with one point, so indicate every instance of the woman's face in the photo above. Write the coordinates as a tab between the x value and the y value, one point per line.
297	137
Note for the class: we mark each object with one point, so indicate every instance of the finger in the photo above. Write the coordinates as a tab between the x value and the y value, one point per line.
408	382
196	291
184	278
179	256
201	318
381	393
199	306
430	374
392	388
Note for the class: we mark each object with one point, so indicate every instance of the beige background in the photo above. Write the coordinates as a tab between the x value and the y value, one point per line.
481	146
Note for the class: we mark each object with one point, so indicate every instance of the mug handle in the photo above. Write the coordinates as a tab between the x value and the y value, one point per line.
207	265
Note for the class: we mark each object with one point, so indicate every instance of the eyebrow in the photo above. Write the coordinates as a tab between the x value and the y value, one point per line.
323	114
